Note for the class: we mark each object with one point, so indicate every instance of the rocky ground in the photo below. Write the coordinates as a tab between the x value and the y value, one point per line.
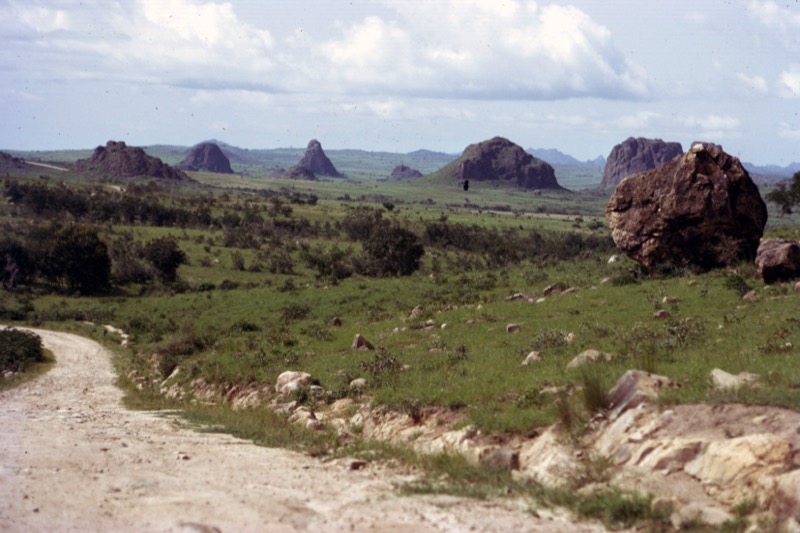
73	459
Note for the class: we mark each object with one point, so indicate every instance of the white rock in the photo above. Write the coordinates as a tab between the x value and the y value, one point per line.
290	381
532	358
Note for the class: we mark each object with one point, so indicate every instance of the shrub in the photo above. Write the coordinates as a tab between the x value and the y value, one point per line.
392	251
165	256
19	349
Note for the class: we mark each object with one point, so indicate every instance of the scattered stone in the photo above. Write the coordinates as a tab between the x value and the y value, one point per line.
698	209
613	259
532	358
669	300
554	289
693	514
797	287
569	338
335	322
723	380
358	465
416	312
358	385
360	343
750	296
515	296
778	260
291	381
500	459
513	328
661	314
635	387
589	356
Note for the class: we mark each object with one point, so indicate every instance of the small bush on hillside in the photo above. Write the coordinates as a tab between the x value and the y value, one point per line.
392	250
166	257
19	349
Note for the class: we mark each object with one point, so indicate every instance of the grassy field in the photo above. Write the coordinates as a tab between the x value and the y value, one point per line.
271	262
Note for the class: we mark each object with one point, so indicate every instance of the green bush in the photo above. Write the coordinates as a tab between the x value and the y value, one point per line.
165	256
19	350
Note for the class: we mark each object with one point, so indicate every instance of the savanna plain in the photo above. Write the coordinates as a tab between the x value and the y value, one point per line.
220	286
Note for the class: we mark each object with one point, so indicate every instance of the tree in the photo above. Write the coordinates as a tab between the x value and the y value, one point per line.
393	250
75	255
166	257
16	265
786	198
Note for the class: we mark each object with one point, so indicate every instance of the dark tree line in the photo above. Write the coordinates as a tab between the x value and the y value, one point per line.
73	257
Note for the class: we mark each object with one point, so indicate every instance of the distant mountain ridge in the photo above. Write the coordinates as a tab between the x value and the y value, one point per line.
557	157
772	170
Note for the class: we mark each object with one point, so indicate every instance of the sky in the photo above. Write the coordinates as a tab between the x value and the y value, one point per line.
399	75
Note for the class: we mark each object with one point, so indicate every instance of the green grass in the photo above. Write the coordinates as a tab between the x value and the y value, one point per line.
245	326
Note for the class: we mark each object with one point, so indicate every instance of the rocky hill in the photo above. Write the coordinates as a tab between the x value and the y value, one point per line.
316	161
402	173
637	155
116	160
9	162
206	157
499	159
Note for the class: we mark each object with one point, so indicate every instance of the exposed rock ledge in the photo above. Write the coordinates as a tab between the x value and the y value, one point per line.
698	461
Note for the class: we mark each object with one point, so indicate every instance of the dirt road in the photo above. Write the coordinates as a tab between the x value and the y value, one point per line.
73	459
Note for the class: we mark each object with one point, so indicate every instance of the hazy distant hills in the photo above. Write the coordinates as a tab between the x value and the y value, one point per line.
365	165
557	157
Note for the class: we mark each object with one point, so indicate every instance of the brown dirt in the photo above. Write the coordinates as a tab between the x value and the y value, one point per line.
73	459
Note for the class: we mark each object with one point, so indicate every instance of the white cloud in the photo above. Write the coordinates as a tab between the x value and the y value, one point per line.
712	123
773	15
637	121
787	131
789	82
485	49
756	83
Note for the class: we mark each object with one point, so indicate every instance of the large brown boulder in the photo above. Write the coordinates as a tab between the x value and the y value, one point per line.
778	260
499	159
637	155
206	157
699	209
315	160
116	160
